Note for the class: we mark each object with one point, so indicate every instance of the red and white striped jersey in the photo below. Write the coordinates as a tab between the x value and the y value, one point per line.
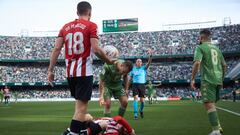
114	125
76	35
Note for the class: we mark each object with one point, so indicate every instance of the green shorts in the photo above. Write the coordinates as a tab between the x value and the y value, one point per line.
116	93
210	92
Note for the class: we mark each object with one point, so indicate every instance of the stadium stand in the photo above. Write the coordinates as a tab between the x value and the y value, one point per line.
131	46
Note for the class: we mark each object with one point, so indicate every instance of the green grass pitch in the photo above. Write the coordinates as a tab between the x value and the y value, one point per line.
162	118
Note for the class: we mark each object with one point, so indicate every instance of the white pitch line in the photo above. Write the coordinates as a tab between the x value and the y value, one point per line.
226	110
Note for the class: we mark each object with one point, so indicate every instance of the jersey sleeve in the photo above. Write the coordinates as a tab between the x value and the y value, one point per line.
93	31
198	54
124	123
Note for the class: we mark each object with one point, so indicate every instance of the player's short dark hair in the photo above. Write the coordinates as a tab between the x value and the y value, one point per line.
83	7
128	64
205	32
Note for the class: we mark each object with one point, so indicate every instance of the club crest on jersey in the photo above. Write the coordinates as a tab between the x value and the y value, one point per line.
67	28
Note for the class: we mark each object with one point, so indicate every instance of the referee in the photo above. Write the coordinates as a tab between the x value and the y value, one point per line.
138	77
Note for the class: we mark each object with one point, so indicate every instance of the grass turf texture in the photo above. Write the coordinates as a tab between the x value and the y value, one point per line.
163	118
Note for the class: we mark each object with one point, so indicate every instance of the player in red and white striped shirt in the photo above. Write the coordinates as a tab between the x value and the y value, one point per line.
107	126
80	39
115	126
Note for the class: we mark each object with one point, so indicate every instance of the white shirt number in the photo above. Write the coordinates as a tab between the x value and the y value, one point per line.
75	43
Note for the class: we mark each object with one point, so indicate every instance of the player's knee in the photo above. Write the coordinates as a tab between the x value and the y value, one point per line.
108	105
79	115
209	105
124	104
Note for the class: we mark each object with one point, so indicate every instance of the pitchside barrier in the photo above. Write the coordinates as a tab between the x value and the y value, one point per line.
92	99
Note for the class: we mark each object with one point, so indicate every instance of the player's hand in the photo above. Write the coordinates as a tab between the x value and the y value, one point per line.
193	84
133	132
88	117
150	51
50	78
221	87
101	101
113	61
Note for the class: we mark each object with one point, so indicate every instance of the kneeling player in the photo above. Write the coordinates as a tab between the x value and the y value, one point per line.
110	84
114	126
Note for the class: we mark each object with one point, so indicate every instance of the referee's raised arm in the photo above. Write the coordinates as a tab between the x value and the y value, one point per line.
150	52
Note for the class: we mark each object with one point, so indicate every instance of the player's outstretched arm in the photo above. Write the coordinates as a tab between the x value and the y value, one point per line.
99	52
54	56
195	69
156	85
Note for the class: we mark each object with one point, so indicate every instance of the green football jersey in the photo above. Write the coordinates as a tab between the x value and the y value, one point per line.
211	63
150	87
111	76
1	95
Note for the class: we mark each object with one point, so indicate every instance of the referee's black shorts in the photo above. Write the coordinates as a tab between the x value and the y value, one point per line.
138	89
81	87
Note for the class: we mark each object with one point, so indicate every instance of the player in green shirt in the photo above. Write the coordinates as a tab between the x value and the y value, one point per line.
151	92
110	84
212	66
1	96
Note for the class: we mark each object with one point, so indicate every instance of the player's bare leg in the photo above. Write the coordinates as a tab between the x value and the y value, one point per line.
135	107
151	99
149	102
213	116
107	108
141	106
5	101
79	116
124	102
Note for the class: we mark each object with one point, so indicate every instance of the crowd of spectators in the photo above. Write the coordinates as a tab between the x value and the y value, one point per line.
129	43
47	94
183	92
178	70
157	71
